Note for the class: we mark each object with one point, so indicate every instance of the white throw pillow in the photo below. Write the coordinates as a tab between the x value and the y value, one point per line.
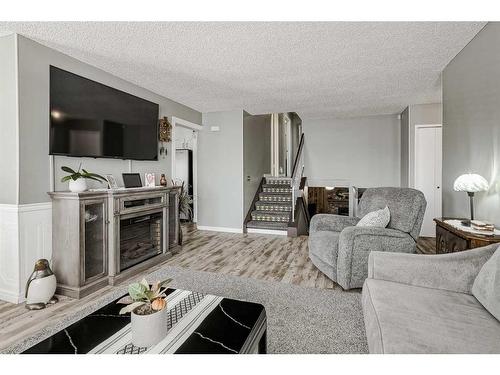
486	287
379	218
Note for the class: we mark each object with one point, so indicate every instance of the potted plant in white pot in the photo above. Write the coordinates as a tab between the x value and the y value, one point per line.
76	179
148	309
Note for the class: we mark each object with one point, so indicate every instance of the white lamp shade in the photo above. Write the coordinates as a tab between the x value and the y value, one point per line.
471	183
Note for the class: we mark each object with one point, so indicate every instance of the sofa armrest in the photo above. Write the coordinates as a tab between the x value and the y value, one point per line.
454	272
328	222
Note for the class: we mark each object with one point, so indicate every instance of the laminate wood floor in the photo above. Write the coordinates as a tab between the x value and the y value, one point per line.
265	257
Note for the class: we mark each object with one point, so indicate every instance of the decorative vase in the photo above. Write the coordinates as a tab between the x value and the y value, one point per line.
41	286
149	330
78	186
163	180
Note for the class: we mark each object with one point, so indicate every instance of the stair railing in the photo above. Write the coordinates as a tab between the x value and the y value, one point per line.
297	174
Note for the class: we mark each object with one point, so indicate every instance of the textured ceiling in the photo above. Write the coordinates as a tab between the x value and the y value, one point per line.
329	69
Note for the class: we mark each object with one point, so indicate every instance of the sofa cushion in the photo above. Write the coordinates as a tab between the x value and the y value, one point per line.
401	318
486	287
378	218
325	246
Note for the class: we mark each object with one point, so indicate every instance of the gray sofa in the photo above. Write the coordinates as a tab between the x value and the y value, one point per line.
340	249
423	304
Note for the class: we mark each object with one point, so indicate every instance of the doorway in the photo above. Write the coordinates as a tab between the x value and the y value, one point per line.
428	173
286	129
184	157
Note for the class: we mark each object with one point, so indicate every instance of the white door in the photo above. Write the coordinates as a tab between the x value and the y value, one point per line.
428	164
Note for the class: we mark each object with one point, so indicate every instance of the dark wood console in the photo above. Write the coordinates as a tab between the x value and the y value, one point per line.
450	239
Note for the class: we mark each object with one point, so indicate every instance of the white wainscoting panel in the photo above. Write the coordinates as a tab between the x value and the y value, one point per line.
9	253
25	237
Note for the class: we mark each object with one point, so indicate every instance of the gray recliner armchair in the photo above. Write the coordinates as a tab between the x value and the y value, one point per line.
340	249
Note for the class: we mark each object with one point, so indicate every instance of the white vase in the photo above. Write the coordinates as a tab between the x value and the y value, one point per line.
78	186
148	330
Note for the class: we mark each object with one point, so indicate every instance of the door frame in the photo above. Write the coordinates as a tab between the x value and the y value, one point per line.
415	148
288	142
176	121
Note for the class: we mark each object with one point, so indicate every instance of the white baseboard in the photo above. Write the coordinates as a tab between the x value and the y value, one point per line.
268	231
220	229
7	296
25	236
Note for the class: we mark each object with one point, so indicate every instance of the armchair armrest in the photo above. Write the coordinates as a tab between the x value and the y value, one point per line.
454	272
348	234
328	222
356	244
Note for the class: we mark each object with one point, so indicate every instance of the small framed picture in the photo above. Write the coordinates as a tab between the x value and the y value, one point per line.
111	181
149	179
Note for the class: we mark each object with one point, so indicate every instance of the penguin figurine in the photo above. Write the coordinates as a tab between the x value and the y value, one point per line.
41	286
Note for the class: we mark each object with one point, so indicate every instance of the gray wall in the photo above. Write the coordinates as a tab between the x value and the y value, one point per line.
220	170
256	154
363	151
471	124
8	121
34	62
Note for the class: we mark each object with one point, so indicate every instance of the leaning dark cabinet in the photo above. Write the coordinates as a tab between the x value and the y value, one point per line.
79	238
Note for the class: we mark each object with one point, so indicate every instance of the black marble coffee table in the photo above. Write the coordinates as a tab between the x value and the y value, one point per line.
197	323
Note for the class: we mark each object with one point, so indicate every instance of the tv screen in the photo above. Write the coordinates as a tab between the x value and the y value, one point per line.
90	119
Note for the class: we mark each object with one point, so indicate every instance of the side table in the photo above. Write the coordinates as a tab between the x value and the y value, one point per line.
450	239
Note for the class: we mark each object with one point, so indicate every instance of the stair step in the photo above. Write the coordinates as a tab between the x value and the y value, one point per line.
273	206
278	181
275	197
276	188
271	225
271	216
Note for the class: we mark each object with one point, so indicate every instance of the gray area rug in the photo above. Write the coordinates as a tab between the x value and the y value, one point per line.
300	320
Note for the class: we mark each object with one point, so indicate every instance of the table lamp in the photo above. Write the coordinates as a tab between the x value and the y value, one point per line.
470	183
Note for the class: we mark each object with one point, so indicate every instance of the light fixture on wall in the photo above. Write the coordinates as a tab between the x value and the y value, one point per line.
470	183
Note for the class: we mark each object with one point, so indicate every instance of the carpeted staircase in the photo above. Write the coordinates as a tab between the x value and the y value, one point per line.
273	209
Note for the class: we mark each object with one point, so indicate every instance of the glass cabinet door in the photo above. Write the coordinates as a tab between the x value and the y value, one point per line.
94	234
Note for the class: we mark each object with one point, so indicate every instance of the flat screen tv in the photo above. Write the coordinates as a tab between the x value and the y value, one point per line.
90	119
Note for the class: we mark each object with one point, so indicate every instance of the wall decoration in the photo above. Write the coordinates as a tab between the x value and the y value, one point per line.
165	130
164	135
149	179
111	181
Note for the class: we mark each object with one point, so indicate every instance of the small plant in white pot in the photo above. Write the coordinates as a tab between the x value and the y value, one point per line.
76	179
148	309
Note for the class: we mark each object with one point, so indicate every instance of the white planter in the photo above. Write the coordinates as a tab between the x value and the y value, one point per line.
78	186
148	330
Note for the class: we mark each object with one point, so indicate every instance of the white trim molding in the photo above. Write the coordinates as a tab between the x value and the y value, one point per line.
268	231
25	236
220	229
195	127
